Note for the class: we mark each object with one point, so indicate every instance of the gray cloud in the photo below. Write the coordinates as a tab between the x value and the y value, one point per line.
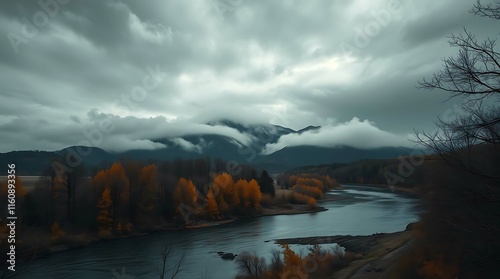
263	61
355	133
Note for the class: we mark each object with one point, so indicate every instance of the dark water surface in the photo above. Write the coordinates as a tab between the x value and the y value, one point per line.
369	210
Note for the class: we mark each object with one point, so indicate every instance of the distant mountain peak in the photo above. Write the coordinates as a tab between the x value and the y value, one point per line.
308	128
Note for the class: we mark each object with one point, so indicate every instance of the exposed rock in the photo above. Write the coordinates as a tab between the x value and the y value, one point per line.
229	256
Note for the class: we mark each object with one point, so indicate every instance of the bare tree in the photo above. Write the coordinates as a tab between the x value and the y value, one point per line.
277	265
251	265
462	218
459	142
489	10
475	75
162	269
475	71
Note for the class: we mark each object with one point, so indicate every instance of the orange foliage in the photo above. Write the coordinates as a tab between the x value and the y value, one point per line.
298	198
312	182
291	259
185	193
223	181
224	192
117	176
308	190
100	181
254	194
438	269
19	188
312	203
56	231
114	179
148	176
243	192
212	208
104	218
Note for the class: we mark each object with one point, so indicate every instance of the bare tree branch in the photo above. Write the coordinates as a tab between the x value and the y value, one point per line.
490	10
164	259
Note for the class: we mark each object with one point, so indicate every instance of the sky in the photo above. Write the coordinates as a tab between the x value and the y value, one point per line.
118	74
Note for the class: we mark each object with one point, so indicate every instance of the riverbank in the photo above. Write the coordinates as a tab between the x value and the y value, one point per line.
378	252
413	191
39	243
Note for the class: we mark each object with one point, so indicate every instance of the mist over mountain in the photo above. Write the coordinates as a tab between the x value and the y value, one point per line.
215	147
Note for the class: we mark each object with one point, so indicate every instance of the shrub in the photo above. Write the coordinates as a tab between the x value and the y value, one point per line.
312	203
308	190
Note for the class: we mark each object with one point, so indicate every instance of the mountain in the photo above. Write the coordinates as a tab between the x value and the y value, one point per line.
297	156
212	146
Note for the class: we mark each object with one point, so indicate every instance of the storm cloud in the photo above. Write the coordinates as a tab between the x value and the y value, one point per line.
164	69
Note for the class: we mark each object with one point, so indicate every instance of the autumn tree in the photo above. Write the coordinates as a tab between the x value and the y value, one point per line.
291	259
115	180
186	198
148	190
242	190
254	194
105	218
119	186
225	192
212	207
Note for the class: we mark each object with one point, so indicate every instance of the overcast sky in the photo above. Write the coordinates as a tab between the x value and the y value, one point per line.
152	69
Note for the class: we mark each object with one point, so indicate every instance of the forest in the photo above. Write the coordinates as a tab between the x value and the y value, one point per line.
131	197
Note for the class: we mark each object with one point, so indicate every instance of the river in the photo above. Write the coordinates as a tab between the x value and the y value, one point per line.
368	210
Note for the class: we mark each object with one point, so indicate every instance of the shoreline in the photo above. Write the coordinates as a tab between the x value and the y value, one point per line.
35	253
378	252
413	191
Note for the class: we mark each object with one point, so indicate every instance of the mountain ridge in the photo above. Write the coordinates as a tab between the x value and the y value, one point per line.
213	146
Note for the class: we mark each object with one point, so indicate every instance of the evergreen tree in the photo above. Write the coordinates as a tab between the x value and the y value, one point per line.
266	184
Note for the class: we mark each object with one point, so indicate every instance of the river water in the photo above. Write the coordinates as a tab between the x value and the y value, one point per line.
367	210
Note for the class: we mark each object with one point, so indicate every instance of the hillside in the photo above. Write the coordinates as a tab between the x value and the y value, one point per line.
210	146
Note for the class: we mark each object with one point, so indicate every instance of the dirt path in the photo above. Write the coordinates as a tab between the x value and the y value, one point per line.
383	267
379	252
380	261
